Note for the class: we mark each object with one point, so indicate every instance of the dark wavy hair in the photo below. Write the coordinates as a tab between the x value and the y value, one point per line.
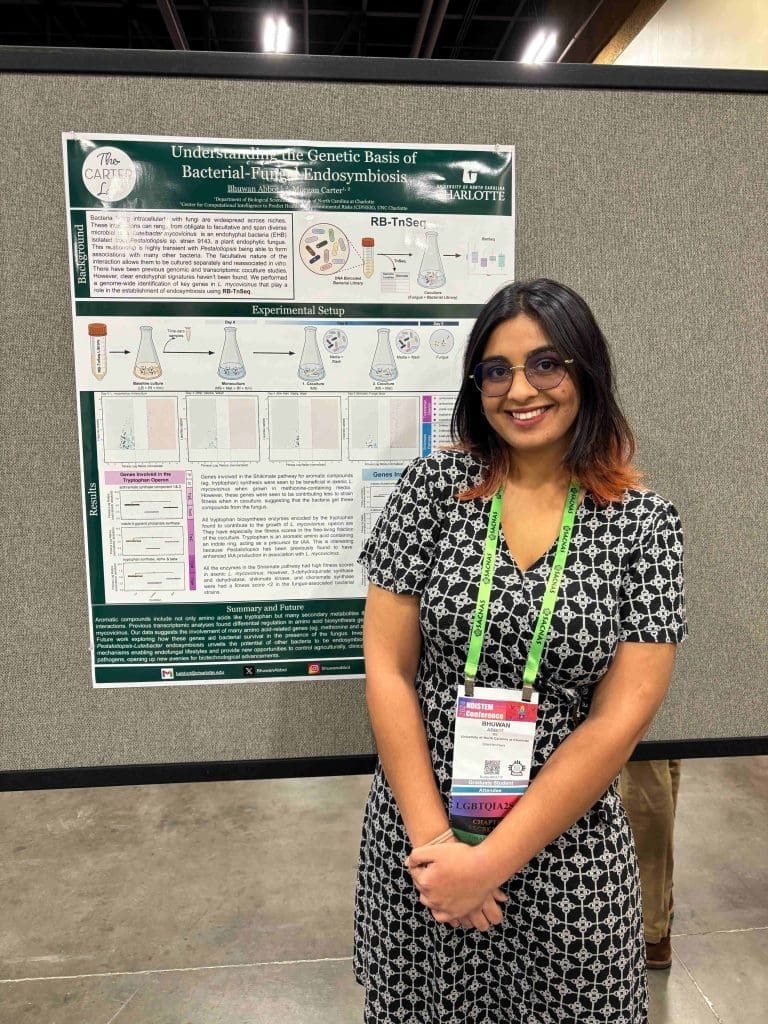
603	446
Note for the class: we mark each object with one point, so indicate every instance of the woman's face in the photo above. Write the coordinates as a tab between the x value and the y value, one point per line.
514	340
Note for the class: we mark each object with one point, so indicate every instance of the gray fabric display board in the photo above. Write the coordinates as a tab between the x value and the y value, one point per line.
652	203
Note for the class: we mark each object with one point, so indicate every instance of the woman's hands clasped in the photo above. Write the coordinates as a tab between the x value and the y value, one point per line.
452	887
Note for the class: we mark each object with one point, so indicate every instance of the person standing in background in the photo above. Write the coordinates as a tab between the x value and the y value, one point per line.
649	794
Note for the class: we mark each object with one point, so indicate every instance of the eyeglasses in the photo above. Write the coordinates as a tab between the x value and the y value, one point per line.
543	370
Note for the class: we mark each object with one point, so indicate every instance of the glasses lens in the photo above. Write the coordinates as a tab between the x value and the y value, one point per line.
493	378
545	370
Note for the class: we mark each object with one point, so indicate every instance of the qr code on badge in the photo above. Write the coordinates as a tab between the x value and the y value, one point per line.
492	767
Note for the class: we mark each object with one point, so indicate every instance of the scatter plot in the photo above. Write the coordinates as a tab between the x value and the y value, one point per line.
139	429
223	428
384	428
305	429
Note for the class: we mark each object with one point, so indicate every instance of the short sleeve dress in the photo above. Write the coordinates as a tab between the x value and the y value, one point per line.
570	949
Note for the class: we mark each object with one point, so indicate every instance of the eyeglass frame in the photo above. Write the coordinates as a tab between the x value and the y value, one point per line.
521	366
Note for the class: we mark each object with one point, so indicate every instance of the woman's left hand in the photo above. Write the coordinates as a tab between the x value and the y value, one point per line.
449	880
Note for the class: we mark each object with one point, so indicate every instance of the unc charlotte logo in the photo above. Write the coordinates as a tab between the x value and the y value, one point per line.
469	177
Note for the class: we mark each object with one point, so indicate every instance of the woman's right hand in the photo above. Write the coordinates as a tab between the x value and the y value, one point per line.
490	912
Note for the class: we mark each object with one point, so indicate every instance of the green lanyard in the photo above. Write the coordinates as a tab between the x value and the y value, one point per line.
541	631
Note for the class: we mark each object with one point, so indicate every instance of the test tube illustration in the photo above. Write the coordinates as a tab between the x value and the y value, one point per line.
368	252
97	333
147	365
472	256
311	366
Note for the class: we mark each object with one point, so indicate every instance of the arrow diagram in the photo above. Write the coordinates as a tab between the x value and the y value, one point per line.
451	253
185	351
260	353
119	352
389	256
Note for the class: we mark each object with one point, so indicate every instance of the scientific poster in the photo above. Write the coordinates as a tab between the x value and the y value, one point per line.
265	334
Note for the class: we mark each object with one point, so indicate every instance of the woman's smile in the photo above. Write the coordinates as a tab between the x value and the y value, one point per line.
528	417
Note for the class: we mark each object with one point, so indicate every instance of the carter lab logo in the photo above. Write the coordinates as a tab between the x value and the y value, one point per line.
469	177
109	174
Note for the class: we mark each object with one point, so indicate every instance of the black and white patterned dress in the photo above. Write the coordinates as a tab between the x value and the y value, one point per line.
570	949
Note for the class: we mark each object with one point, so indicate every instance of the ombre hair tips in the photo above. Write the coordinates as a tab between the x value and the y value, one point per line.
602	446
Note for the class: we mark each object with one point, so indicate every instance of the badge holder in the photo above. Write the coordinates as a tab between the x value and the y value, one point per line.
495	728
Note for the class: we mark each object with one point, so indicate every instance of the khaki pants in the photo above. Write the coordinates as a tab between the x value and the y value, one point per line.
649	793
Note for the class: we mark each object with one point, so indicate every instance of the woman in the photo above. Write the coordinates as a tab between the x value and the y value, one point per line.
540	923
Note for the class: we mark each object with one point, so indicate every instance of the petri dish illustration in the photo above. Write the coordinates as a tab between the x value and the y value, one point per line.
441	341
335	341
324	249
407	341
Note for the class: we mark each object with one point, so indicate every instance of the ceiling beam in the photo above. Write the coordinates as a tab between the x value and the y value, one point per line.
461	35
211	37
581	28
52	19
434	32
228	8
173	24
352	26
513	21
421	28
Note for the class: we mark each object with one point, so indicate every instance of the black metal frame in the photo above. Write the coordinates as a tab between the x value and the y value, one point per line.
215	64
311	767
196	64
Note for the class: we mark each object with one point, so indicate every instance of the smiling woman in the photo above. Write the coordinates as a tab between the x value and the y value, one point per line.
498	879
584	432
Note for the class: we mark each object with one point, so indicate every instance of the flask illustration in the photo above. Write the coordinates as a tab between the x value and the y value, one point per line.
147	365
431	272
311	365
368	244
97	334
383	367
231	365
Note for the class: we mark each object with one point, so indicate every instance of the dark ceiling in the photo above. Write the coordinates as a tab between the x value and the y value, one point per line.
443	29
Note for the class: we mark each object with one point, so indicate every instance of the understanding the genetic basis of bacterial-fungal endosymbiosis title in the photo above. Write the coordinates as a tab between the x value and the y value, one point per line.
266	333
